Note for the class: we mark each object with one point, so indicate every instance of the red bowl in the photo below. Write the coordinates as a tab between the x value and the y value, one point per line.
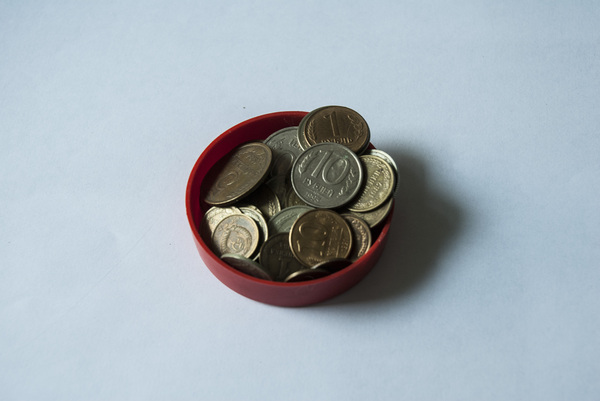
269	292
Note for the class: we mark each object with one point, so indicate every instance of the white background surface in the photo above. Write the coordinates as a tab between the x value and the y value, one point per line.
488	288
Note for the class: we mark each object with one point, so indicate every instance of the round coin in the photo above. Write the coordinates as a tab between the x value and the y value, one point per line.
285	146
319	235
211	218
246	266
336	124
277	257
301	129
376	216
236	233
377	186
238	174
327	175
361	236
265	200
305	275
389	160
260	221
282	222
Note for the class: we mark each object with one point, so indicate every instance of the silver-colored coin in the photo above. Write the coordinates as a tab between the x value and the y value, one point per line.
377	186
247	266
285	146
305	275
333	266
236	233
211	218
389	160
282	222
264	199
255	214
361	236
277	257
327	175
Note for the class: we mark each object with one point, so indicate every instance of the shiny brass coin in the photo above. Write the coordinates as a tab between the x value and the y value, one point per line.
389	160
376	216
282	222
285	146
361	236
236	233
319	235
265	200
305	275
211	218
377	186
301	129
337	124
246	266
277	257
327	175
255	214
333	266
238	174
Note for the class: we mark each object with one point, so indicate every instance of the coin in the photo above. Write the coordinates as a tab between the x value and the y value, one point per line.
280	185
377	186
327	175
242	171
255	214
333	266
376	216
264	199
277	257
301	128
285	146
236	233
361	236
305	275
246	266
319	235
389	160
292	199
282	222
211	218
336	124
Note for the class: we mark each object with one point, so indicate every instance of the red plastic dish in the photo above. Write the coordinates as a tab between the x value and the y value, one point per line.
274	293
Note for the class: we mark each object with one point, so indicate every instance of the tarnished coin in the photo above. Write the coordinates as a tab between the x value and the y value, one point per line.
236	233
319	235
305	275
301	129
238	174
255	214
282	222
327	175
333	266
389	160
285	147
277	257
377	186
211	218
361	236
280	185
245	265
292	199
264	199
376	216
336	124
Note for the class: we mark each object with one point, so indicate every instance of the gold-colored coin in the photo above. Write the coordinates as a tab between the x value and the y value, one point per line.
377	186
376	216
238	174
319	235
236	233
277	257
361	236
265	200
247	266
335	124
305	275
212	218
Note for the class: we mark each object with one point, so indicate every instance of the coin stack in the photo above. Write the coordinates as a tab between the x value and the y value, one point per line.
303	203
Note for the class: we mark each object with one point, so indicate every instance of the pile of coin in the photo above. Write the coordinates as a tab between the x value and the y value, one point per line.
302	204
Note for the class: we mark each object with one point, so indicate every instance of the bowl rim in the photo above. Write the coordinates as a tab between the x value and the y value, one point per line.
358	264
